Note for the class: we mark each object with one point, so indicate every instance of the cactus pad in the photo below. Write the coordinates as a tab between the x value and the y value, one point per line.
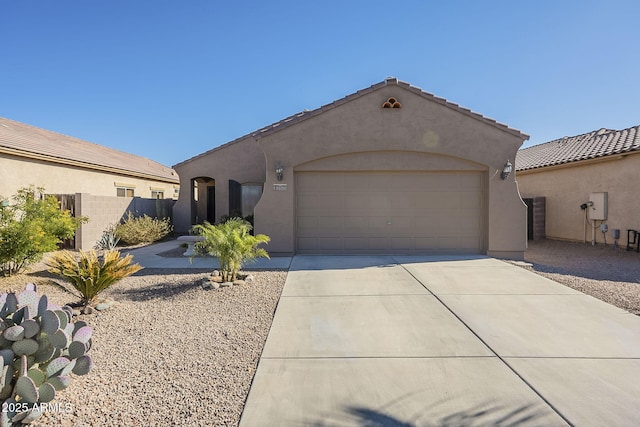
49	322
59	339
47	392
83	365
77	349
27	347
14	333
26	389
55	366
31	328
60	383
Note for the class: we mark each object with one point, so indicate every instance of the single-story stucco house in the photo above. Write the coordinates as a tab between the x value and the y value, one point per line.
65	165
567	172
388	169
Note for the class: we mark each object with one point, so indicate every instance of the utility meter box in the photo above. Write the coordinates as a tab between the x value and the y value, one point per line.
599	210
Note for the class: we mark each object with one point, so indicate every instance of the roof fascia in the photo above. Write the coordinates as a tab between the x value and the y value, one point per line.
83	165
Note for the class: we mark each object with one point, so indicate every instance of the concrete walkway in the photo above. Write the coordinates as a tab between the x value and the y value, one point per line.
147	256
442	341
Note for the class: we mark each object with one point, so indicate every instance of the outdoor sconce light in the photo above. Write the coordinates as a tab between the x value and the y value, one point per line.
4	203
279	171
506	170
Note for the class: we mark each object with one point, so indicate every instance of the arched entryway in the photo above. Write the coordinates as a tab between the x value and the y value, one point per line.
203	200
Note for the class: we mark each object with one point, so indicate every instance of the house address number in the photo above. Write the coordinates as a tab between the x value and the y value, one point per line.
279	187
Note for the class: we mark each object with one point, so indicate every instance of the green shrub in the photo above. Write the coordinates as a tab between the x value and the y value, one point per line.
144	229
90	274
232	243
31	226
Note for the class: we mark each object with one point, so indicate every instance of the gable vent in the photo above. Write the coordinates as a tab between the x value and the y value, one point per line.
392	103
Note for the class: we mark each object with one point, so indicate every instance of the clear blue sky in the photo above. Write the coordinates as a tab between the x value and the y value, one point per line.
171	79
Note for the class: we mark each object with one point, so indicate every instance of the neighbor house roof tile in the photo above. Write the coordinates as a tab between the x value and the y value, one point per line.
25	140
598	143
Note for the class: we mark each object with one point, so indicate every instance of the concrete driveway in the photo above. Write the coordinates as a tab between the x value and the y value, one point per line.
442	341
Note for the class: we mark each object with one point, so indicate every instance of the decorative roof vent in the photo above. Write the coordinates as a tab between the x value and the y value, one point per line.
392	103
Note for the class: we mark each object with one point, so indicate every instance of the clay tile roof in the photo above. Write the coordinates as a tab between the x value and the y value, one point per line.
306	114
29	141
598	143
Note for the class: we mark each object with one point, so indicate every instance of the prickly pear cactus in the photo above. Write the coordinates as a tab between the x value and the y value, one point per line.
40	348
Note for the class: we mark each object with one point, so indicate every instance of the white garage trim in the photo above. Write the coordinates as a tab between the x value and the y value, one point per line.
390	212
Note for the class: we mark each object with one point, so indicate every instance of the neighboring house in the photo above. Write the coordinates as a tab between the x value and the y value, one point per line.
96	181
388	169
567	171
66	165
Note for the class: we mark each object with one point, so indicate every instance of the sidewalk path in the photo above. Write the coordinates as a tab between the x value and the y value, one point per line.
147	256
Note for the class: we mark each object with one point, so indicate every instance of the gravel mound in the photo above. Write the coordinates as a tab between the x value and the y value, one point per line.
611	275
168	353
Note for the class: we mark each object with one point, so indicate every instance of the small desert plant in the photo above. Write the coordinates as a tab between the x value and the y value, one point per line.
109	239
89	274
144	229
41	347
232	243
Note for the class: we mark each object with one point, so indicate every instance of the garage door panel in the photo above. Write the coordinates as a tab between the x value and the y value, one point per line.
355	201
426	243
330	244
356	244
471	201
396	211
469	181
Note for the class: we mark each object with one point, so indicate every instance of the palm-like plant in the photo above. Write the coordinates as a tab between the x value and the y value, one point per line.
90	274
232	243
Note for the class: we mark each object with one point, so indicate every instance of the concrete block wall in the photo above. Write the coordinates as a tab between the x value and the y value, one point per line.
104	211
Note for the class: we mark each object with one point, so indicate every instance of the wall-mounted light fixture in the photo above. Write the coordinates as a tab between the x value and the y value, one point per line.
279	171
506	170
4	203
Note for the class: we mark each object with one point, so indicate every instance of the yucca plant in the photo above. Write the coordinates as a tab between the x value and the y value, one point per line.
232	243
109	239
89	274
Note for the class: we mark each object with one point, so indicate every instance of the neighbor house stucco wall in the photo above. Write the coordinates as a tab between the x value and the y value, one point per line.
18	172
568	186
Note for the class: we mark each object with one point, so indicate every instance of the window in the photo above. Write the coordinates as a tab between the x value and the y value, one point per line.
157	194
124	192
250	195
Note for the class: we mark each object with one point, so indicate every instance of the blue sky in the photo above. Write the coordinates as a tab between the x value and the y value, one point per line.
169	80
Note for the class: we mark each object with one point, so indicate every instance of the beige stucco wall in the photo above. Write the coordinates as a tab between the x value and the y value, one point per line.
241	161
18	172
358	133
569	186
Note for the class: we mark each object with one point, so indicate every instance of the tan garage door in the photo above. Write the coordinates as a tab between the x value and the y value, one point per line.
389	212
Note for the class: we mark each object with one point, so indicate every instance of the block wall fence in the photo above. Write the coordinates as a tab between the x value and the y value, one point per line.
104	211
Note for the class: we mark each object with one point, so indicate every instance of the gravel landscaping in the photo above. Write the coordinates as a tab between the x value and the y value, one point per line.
168	353
171	353
611	275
